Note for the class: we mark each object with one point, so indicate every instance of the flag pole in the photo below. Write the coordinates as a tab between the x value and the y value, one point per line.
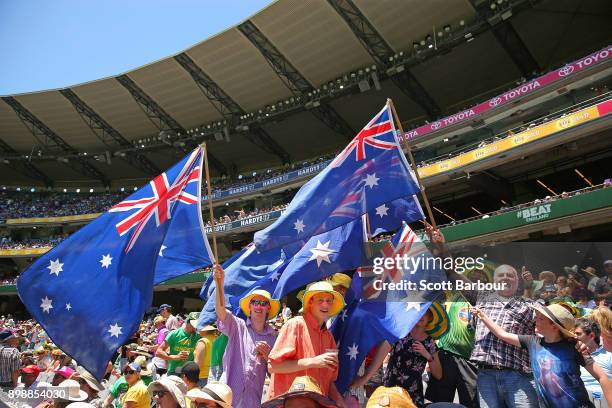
416	171
210	205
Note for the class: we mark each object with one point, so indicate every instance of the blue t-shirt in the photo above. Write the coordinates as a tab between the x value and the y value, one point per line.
556	369
603	359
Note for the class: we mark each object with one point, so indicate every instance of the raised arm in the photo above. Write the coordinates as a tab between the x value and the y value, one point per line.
601	376
219	275
497	331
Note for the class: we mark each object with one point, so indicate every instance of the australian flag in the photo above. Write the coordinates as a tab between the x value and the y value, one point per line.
90	292
370	171
368	320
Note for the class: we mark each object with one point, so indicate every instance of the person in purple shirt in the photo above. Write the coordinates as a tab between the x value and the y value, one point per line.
249	343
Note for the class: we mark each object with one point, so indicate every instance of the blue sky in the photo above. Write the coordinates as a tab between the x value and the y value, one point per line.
48	44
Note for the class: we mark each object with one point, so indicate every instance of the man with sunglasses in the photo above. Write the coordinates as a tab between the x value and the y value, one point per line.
249	343
137	395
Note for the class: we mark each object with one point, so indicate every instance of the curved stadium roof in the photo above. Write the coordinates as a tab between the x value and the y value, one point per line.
287	50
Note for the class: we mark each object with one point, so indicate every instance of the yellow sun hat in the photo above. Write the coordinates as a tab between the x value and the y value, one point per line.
274	303
340	279
324	287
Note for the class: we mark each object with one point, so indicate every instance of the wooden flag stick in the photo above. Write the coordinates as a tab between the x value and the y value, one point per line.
414	167
210	204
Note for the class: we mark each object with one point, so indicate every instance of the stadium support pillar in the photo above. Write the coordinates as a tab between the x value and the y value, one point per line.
294	80
52	142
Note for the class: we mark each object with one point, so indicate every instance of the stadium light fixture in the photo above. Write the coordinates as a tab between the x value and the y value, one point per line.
65	191
91	190
447	28
122	189
135	188
32	190
18	189
78	190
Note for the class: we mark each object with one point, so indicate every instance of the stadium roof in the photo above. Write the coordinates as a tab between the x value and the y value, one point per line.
288	49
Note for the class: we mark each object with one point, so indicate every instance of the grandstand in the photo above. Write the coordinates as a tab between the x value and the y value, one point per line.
507	106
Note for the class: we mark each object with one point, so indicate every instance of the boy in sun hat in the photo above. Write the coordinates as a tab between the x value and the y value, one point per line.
249	343
305	347
304	393
554	358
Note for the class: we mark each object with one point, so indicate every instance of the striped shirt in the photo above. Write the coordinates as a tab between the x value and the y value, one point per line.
9	363
514	316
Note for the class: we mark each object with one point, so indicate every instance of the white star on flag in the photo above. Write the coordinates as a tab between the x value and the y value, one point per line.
382	210
299	226
413	305
371	180
115	330
46	304
353	352
55	267
344	315
161	250
68	306
106	261
321	253
275	276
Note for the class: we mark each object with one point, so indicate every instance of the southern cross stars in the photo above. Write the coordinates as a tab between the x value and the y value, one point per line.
46	304
106	261
161	250
321	253
353	352
68	306
371	180
275	276
55	267
382	210
299	226
115	330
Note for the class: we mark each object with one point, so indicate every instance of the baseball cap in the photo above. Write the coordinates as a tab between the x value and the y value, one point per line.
30	369
164	306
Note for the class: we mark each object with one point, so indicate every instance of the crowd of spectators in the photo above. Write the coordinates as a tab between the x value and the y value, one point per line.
242	214
29	243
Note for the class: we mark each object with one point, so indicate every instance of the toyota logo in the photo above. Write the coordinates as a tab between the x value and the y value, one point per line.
436	125
566	70
495	101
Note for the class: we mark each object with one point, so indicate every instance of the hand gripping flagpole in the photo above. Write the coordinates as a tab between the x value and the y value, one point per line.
398	124
210	205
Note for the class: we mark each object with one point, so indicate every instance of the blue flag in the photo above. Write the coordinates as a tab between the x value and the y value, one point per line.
370	171
338	250
370	317
389	216
90	292
241	272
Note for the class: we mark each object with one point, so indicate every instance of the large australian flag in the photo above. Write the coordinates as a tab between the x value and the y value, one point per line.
370	171
90	292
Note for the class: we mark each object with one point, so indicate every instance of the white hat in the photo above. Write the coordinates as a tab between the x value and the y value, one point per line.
213	391
73	391
173	384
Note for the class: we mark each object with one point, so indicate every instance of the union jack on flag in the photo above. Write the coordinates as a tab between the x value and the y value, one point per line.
351	185
97	284
164	196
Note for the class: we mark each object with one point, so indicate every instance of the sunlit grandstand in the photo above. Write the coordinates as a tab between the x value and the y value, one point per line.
506	106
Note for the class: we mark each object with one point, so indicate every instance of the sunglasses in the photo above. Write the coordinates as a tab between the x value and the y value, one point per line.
128	372
159	393
257	302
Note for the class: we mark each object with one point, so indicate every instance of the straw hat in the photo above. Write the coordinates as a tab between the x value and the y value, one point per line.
439	322
589	270
390	397
192	318
89	379
324	287
73	391
207	328
306	387
158	319
340	279
560	316
170	384
274	303
213	391
142	362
